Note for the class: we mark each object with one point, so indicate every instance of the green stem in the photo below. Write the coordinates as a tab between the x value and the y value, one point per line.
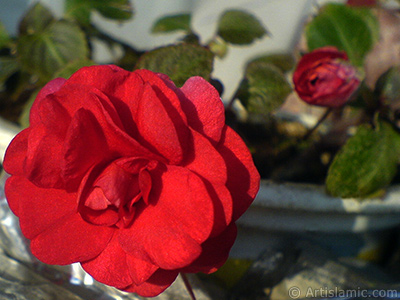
188	286
322	119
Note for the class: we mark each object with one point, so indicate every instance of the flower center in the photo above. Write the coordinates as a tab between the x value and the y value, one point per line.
113	196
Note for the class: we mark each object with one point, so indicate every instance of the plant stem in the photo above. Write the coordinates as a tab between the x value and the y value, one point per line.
322	119
188	286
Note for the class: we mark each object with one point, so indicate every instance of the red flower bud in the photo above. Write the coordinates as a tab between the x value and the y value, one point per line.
362	2
324	77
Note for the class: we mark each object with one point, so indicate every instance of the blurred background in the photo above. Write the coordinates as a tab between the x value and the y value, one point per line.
282	18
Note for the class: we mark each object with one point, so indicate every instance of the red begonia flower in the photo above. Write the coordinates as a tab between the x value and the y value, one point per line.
323	77
129	175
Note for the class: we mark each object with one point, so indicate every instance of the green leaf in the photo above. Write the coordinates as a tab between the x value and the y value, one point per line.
73	66
387	87
179	62
4	37
267	88
80	10
36	19
239	27
284	62
353	30
114	9
8	66
366	163
46	52
172	23
370	19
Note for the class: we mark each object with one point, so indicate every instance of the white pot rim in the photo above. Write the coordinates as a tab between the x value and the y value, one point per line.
296	207
312	197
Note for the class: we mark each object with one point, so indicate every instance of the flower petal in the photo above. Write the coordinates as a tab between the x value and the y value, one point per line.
140	269
106	78
156	284
122	88
47	136
211	167
15	155
107	217
315	57
180	197
118	141
50	88
223	207
178	219
38	208
206	161
41	168
110	266
158	129
54	246
11	190
167	93
52	114
84	146
215	252
201	96
243	177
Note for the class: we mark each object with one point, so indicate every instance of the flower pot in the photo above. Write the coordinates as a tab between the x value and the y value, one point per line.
350	227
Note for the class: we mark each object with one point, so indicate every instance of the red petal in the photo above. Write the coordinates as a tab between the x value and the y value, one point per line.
167	93
106	78
107	217
46	136
118	185
179	218
97	200
84	146
317	56
51	87
179	197
37	208
145	185
166	247
243	177
15	156
206	160
215	252
202	97
210	165
158	129
51	114
42	168
123	89
140	269
11	189
156	284
116	137
110	267
71	240
222	201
